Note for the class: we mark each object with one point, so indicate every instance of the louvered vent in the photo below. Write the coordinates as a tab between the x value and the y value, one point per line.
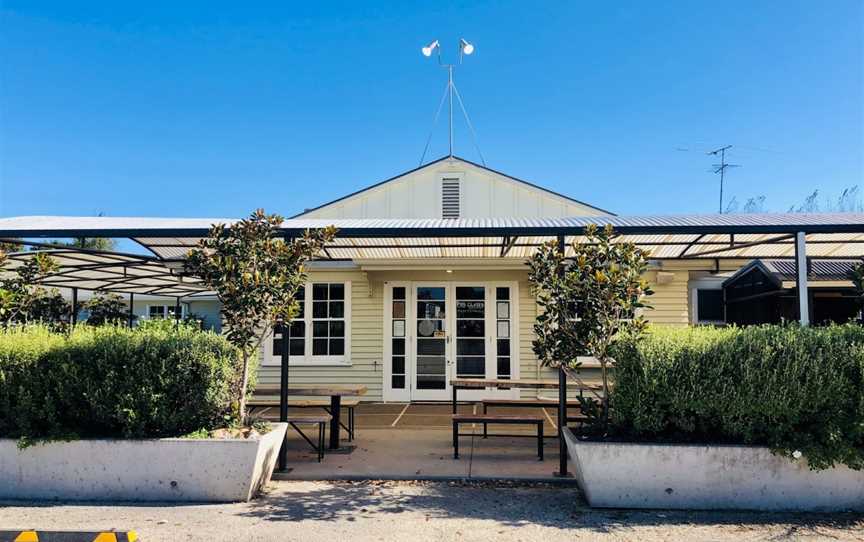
450	198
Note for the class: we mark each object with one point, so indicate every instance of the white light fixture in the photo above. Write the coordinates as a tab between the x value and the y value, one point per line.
427	51
449	270
465	46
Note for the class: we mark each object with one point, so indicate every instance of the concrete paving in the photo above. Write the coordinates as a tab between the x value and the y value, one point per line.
399	441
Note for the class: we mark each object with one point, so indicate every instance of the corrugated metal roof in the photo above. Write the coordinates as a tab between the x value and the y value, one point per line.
835	235
54	226
818	269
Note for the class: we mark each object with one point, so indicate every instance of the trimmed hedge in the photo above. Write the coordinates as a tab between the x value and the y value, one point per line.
785	387
114	382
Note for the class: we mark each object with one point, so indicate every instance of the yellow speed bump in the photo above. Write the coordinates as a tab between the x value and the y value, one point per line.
67	536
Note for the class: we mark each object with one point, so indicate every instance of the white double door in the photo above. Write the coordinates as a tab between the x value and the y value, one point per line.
438	331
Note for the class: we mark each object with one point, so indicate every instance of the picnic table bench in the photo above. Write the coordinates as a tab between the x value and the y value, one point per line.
320	420
486	418
536	421
266	403
335	392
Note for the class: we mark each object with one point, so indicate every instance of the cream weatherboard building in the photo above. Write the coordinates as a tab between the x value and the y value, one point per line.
405	326
426	280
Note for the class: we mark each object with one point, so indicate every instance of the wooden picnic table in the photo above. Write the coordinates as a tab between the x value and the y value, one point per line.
335	392
468	383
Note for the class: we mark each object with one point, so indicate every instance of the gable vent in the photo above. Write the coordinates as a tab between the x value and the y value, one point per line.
450	198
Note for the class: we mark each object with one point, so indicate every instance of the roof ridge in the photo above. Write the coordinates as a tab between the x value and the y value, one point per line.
465	160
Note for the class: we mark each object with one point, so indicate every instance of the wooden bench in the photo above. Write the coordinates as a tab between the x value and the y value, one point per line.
529	403
321	420
348	404
486	419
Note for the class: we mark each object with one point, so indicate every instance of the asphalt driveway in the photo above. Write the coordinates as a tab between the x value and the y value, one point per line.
423	511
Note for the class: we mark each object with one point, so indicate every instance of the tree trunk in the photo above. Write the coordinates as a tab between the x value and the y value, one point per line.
605	395
243	384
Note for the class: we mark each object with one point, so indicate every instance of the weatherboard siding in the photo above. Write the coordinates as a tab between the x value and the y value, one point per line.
670	307
367	306
670	300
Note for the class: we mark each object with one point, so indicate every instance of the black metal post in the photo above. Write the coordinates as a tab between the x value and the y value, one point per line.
73	318
177	311
455	391
283	394
562	385
562	422
131	303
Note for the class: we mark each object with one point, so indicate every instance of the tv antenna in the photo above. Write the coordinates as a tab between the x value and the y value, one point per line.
721	168
465	48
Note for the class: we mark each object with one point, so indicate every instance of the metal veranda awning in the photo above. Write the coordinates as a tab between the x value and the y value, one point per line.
111	272
732	236
834	235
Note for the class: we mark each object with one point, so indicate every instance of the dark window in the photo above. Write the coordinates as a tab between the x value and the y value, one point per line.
328	319
709	305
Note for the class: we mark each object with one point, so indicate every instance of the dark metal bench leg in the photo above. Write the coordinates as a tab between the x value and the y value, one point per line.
350	427
321	427
485	425
540	440
455	440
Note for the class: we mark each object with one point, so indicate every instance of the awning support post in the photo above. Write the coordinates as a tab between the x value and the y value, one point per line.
283	393
282	328
562	387
801	278
130	316
177	311
73	318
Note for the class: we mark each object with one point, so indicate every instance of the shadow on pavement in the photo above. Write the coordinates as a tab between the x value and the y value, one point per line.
512	505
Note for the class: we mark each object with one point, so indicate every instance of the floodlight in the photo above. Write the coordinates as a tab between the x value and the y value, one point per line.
427	51
465	46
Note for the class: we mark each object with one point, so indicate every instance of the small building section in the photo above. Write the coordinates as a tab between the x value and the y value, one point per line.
764	291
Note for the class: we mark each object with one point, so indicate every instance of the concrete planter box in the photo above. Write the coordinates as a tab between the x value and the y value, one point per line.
625	475
203	470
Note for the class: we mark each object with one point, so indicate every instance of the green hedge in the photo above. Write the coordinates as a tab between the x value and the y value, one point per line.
114	382
786	387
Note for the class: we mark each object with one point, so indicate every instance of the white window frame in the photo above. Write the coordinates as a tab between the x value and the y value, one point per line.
703	284
166	307
308	359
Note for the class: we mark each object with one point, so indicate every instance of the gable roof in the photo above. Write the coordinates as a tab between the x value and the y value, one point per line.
779	271
463	160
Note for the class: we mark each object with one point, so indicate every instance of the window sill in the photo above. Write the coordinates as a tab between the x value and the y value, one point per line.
309	363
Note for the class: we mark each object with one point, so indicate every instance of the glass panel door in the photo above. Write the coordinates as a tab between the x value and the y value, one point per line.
430	326
470	331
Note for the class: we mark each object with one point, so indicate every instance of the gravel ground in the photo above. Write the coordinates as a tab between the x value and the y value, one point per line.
421	511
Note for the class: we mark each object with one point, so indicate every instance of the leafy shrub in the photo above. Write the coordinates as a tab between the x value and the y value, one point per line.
106	308
111	381
786	387
21	351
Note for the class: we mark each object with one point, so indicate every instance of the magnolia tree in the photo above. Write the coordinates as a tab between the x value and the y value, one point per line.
106	308
22	300
587	301
256	275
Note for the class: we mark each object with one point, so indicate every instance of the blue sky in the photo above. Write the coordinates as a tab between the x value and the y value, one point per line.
213	109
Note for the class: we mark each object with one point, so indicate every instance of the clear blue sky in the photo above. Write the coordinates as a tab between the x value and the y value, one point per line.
216	108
